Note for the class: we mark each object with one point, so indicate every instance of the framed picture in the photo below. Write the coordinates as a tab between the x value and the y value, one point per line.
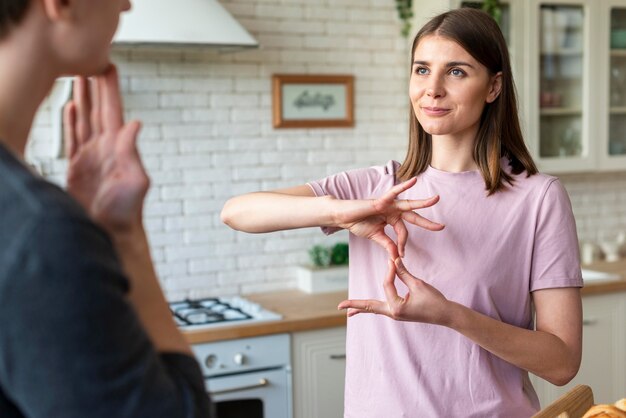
312	101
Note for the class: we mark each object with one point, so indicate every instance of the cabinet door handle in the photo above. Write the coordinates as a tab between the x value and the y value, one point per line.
262	383
590	321
337	356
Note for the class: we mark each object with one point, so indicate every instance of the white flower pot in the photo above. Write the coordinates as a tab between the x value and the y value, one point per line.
322	279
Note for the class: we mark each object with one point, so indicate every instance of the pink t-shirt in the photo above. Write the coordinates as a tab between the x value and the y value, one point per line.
492	254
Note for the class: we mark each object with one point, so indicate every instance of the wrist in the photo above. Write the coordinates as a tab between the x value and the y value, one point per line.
131	236
455	314
331	212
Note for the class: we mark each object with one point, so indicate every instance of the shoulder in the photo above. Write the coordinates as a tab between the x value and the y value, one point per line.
360	183
47	233
25	195
538	184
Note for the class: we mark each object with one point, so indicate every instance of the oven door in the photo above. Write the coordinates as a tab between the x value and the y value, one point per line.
259	394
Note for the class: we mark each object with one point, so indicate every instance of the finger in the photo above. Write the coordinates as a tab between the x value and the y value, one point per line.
82	101
96	108
389	286
402	234
399	188
403	274
110	100
387	243
420	221
356	306
413	204
69	126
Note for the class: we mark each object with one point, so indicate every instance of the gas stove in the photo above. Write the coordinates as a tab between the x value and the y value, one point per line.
192	314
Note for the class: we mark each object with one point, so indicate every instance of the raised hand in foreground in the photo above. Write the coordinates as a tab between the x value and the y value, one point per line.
422	303
107	178
105	172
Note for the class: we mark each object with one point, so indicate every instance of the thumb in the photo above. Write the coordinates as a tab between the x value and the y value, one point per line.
128	136
404	275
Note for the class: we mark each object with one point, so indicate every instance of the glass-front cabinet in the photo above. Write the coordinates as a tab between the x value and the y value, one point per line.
576	84
614	82
561	76
560	127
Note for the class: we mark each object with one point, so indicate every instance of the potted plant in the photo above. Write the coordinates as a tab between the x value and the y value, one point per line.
328	270
494	9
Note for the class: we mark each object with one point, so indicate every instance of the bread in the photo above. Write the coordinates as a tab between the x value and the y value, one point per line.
605	411
621	404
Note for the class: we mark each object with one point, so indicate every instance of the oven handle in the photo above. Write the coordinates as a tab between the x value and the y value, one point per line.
262	383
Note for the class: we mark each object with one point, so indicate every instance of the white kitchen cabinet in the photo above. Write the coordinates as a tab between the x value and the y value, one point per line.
576	84
562	87
603	365
319	372
613	79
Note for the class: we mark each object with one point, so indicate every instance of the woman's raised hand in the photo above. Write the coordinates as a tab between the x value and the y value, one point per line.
422	303
369	221
105	173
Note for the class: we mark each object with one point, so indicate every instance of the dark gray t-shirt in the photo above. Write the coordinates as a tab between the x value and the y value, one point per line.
71	345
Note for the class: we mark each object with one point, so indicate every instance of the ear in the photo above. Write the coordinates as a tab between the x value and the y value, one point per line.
58	9
495	88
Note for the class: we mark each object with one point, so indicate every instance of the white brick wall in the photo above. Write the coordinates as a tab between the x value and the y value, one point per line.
207	135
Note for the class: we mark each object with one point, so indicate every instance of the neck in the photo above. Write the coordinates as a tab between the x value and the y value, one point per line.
26	76
454	153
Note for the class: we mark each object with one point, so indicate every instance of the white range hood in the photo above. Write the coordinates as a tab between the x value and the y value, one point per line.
190	22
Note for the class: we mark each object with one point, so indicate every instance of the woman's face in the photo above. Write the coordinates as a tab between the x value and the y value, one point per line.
449	88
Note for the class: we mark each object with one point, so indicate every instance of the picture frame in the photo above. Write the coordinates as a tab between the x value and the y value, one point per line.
312	101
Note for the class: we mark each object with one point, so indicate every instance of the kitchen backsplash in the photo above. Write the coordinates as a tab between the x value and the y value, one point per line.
208	135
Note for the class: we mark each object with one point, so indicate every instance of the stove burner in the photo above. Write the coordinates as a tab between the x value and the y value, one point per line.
202	313
205	311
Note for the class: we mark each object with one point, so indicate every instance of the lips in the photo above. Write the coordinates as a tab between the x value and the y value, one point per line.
434	111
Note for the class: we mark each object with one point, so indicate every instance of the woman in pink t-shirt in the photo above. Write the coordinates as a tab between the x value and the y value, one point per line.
460	339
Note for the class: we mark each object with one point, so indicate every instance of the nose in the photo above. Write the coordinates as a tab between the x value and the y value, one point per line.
126	5
435	87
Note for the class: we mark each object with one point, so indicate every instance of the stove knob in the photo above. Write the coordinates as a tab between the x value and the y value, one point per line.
210	361
239	359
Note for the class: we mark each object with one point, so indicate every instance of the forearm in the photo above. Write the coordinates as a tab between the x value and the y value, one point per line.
146	295
539	352
271	211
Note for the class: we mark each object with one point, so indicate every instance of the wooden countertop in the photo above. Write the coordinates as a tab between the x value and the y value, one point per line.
302	311
606	286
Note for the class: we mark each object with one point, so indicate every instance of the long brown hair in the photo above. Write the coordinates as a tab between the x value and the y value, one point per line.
499	134
11	13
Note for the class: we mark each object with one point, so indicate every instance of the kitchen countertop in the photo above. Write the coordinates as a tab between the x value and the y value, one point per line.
607	286
302	311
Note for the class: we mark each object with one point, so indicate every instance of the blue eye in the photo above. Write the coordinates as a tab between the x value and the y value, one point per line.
457	72
421	70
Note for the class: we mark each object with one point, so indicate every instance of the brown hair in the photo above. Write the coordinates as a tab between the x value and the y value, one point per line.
499	134
11	13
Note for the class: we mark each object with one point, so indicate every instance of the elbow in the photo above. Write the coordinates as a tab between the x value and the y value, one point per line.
562	379
564	374
227	215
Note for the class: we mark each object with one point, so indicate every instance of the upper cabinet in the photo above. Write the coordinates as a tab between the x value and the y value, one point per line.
559	106
561	124
569	64
613	60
